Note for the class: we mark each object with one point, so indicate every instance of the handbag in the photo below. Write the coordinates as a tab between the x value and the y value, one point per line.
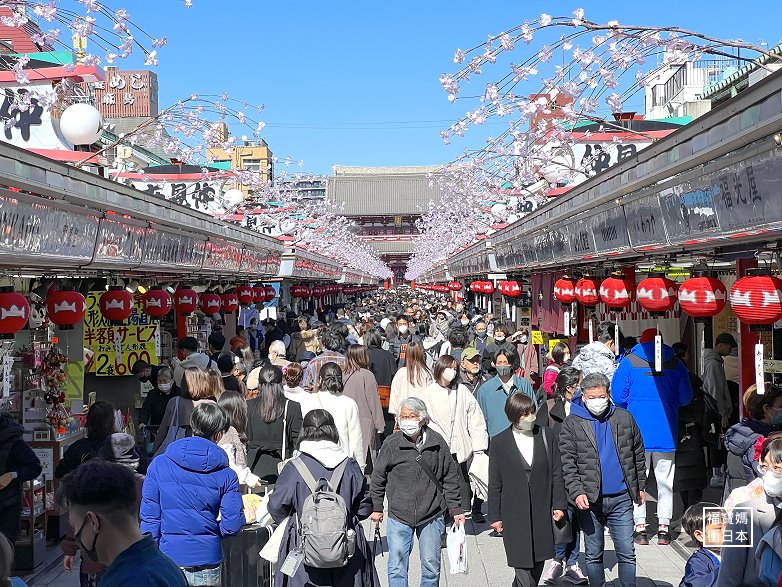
281	464
563	529
271	552
175	432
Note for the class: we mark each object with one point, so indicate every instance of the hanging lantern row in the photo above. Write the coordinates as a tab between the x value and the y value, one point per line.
512	289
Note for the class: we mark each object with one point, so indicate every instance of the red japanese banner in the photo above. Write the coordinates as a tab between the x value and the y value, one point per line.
115	349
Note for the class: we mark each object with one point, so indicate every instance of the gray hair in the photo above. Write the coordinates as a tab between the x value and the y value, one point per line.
278	347
416	406
166	372
595	380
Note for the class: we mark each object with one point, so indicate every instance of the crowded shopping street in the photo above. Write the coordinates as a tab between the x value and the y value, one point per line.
390	295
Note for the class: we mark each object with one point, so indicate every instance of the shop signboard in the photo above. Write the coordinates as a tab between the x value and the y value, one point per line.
746	195
119	243
117	348
175	250
644	222
688	211
544	248
609	229
582	243
46	458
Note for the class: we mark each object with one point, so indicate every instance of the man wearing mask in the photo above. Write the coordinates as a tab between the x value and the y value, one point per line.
481	339
151	412
604	469
493	394
145	373
715	383
497	343
188	346
398	344
471	375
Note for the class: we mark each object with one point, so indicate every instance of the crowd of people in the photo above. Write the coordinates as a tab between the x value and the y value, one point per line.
422	412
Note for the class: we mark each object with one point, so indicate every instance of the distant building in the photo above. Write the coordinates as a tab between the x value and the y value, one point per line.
739	79
252	155
308	188
385	203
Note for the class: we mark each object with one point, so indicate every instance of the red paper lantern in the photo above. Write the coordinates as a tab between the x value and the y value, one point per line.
259	294
116	305
702	297
512	289
586	291
454	286
757	299
66	308
271	293
185	301
656	294
476	286
229	303
488	287
565	290
295	291
209	303
157	302
615	293
14	312
245	294
441	288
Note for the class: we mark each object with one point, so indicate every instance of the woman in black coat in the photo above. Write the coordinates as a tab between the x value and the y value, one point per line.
524	496
383	366
691	476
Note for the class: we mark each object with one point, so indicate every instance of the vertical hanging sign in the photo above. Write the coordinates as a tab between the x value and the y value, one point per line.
760	381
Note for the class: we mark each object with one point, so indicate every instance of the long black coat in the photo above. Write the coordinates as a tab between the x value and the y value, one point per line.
690	472
382	364
525	503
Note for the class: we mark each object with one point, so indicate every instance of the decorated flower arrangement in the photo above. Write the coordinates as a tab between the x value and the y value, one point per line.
55	377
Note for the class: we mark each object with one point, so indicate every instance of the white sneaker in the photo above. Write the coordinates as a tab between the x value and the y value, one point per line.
553	573
575	575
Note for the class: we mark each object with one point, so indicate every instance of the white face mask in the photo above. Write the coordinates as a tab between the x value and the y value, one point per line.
527	423
499	338
449	374
465	322
772	484
410	427
402	329
165	387
597	406
523	339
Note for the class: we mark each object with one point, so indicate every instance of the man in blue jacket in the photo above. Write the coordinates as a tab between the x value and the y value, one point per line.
654	399
184	491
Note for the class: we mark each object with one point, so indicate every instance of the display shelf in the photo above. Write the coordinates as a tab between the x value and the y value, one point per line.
31	541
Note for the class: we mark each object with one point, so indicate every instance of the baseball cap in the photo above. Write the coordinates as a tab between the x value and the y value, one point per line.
648	335
726	338
470	353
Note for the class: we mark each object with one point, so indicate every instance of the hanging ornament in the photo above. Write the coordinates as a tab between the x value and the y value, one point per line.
209	303
271	293
614	292
156	301
14	312
185	301
116	305
564	290
245	294
756	299
656	294
586	291
702	296
229	303
66	308
259	293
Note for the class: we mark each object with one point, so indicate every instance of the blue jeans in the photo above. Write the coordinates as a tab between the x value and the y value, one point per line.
400	545
203	577
568	553
616	512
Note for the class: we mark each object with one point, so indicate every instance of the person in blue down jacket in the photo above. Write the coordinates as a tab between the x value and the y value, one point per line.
185	491
654	399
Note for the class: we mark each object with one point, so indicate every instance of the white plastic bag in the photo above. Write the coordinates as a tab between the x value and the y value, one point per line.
457	549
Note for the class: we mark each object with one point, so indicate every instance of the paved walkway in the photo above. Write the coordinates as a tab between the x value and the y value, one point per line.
657	565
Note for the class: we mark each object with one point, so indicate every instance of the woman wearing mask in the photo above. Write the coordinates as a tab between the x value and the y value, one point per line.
764	415
565	562
270	416
738	565
499	341
361	387
456	416
234	442
151	412
560	356
411	379
383	367
525	490
328	395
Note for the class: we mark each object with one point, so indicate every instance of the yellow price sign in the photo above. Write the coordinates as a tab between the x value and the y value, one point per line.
537	337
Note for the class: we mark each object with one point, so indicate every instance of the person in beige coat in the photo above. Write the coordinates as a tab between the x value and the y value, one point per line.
456	416
410	379
328	396
361	387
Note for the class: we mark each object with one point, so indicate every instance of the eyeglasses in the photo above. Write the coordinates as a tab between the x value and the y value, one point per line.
776	469
412	417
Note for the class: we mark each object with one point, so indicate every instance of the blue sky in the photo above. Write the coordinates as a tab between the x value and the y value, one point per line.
334	76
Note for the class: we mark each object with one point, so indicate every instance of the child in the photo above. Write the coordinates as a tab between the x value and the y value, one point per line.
703	566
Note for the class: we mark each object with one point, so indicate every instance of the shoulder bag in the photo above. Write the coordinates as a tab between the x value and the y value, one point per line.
563	530
175	431
284	460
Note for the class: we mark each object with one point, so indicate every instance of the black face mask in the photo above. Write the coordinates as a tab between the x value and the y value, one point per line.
143	379
91	553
